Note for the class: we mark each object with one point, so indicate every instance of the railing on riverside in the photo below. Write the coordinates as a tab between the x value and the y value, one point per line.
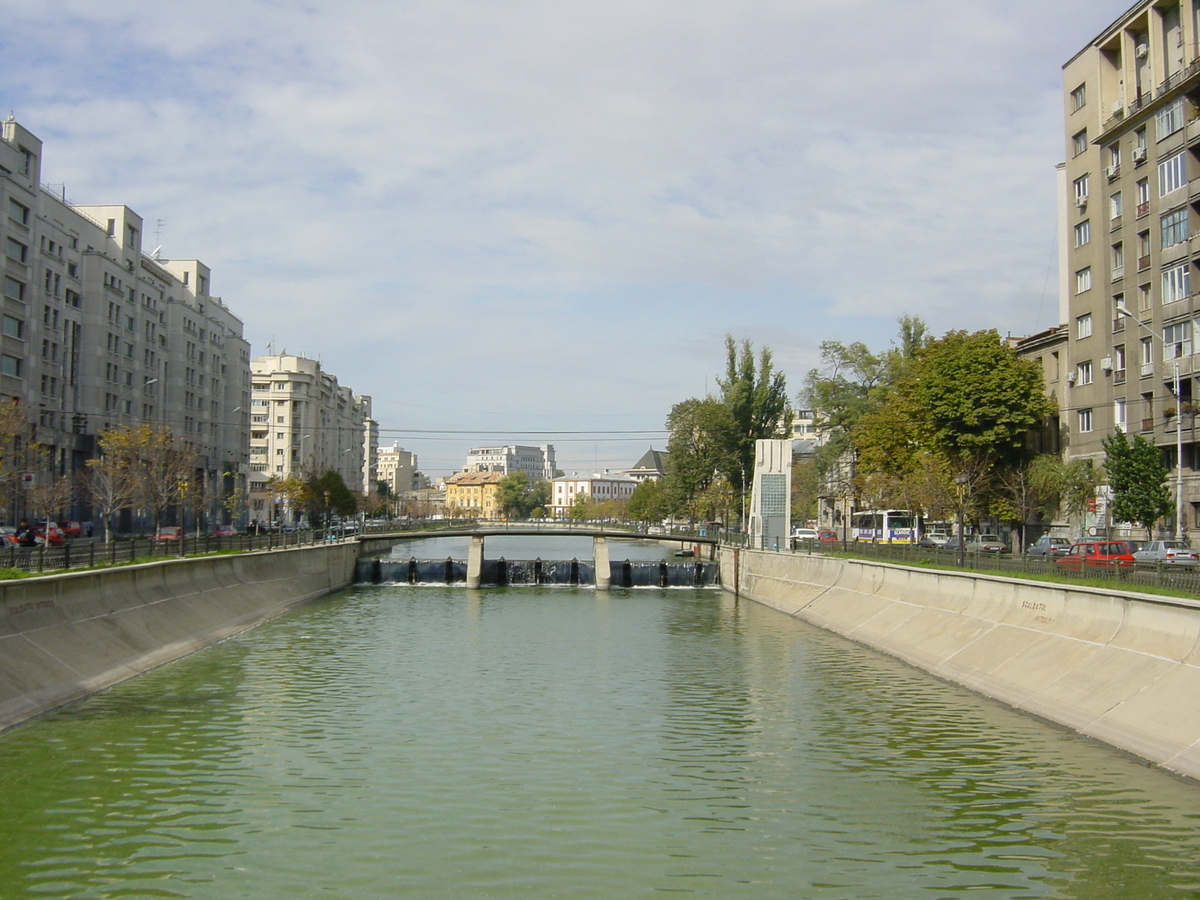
123	551
1178	579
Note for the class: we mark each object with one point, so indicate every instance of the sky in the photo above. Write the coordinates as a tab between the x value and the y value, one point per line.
535	222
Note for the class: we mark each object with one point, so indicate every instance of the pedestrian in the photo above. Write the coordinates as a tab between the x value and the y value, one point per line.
24	535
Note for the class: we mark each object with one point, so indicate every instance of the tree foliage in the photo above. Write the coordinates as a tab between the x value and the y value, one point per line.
710	450
1138	480
517	496
161	470
649	501
328	495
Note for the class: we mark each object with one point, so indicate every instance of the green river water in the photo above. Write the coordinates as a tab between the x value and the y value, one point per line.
429	742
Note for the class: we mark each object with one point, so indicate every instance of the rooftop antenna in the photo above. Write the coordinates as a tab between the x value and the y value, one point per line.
158	237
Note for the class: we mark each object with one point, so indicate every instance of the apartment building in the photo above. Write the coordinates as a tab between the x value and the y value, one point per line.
473	494
302	422
397	468
97	333
599	488
1130	188
536	462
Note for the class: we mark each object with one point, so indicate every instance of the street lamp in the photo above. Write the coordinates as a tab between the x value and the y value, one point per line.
1122	310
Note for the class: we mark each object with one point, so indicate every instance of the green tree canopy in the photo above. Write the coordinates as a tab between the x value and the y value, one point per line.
517	496
1137	479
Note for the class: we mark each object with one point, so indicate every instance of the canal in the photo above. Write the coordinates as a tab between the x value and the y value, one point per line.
428	742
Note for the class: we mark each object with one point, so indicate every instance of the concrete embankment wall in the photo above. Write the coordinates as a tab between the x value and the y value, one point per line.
1121	667
65	636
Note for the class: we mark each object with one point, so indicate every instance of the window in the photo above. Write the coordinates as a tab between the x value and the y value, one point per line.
13	327
13	289
1083	232
1081	189
1139	143
1174	227
1079	97
1115	206
1175	283
1079	143
1172	174
1083	373
1083	326
1119	358
1118	259
1177	340
10	365
1169	119
18	212
1142	188
16	250
1120	415
1085	421
1083	280
1143	240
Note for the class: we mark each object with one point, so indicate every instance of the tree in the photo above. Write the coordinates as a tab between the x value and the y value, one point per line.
697	450
1137	479
290	490
109	483
328	495
160	469
649	501
756	397
976	397
517	496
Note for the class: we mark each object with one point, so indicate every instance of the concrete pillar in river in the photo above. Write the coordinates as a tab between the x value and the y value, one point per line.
475	561
603	569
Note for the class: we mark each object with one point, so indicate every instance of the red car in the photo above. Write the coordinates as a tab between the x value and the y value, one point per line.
826	534
169	533
224	531
1085	555
49	533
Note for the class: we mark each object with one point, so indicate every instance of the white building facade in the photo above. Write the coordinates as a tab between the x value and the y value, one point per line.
536	462
302	422
397	468
566	491
97	333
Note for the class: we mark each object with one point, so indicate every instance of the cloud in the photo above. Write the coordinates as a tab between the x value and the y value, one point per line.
541	210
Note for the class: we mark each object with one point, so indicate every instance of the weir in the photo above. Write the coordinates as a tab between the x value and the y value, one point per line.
478	571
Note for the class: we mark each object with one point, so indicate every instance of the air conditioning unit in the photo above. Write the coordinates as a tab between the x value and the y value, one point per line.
1139	154
1081	201
1071	376
1141	50
1106	364
1116	107
1112	171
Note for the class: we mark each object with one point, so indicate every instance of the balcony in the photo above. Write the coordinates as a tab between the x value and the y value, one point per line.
1147	424
1143	209
1118	324
1118	272
1143	263
1119	376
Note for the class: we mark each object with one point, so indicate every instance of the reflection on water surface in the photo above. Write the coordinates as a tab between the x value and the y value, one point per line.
430	742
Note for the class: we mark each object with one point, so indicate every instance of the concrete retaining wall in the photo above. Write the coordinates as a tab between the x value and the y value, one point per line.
1120	667
65	636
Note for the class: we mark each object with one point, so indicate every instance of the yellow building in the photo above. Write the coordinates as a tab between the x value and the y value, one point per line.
473	494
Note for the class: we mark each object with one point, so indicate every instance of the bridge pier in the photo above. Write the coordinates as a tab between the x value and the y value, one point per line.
600	558
475	561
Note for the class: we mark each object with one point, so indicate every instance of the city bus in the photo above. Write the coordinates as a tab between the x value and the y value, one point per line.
892	526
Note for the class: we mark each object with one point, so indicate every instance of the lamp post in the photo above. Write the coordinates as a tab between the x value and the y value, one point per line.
1123	311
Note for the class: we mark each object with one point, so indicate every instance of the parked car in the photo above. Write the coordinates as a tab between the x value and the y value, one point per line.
954	543
169	533
1096	555
827	534
72	529
804	534
224	531
1049	546
986	543
50	534
8	534
1171	552
933	540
